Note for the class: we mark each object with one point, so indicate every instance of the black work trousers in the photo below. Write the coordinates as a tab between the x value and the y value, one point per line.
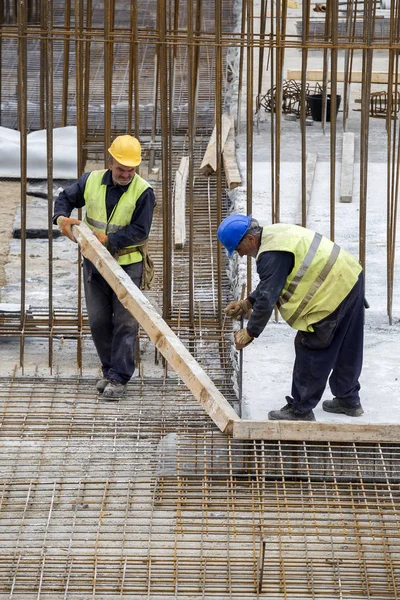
114	329
334	350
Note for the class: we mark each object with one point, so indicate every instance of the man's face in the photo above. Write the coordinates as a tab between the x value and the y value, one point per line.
248	246
121	175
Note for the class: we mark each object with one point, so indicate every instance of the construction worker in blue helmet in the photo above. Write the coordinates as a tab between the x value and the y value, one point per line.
319	290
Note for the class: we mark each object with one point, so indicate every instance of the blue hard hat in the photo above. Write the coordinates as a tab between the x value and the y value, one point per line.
232	230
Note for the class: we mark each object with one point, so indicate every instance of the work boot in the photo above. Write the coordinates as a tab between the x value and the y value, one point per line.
340	407
290	413
101	384
114	390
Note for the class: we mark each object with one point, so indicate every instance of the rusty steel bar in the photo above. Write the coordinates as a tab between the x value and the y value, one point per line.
241	62
365	93
392	150
218	122
165	154
191	141
132	70
249	124
43	66
108	73
86	60
48	51
23	128
303	110
80	138
65	76
333	104
273	54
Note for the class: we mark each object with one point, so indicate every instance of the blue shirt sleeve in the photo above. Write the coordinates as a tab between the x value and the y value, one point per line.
273	267
70	198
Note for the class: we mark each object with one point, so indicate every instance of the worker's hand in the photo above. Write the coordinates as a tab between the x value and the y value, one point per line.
102	237
65	226
239	309
242	339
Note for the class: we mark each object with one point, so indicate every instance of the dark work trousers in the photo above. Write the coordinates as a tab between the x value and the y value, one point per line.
334	350
113	328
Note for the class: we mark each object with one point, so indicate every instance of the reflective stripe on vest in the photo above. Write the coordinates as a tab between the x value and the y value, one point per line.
322	276
96	211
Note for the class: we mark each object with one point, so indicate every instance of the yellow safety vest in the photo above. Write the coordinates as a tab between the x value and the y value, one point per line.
96	212
322	276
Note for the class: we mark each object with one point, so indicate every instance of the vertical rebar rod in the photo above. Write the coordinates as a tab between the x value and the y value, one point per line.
87	59
43	67
65	79
325	63
261	51
347	58
191	136
218	121
23	127
108	72
49	140
80	136
132	65
249	123
303	109
367	55
173	48
333	104
273	112
392	152
241	62
155	96
281	11
165	126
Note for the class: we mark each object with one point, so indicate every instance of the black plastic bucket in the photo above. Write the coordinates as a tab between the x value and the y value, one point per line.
315	103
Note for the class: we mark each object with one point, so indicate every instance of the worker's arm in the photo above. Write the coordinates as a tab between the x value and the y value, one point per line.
273	269
138	230
70	198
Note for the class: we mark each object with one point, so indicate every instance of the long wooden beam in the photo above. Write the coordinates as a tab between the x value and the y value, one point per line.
316	431
161	335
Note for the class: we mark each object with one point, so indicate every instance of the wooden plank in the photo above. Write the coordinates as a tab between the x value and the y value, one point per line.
356	76
162	336
311	165
315	431
209	162
232	173
180	202
347	171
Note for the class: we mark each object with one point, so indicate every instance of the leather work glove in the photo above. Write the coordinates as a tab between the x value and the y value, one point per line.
242	339
102	237
239	309
65	226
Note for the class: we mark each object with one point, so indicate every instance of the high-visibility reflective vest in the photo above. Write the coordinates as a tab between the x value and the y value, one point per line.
96	212
322	276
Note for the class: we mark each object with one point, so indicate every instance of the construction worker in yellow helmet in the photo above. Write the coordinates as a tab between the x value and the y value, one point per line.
119	210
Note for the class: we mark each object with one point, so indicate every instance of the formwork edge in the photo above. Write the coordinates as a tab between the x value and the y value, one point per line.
316	431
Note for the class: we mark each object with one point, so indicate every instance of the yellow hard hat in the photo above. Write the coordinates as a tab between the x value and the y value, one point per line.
126	150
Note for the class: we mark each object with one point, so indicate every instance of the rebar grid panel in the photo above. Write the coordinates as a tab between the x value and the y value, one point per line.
148	499
63	34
